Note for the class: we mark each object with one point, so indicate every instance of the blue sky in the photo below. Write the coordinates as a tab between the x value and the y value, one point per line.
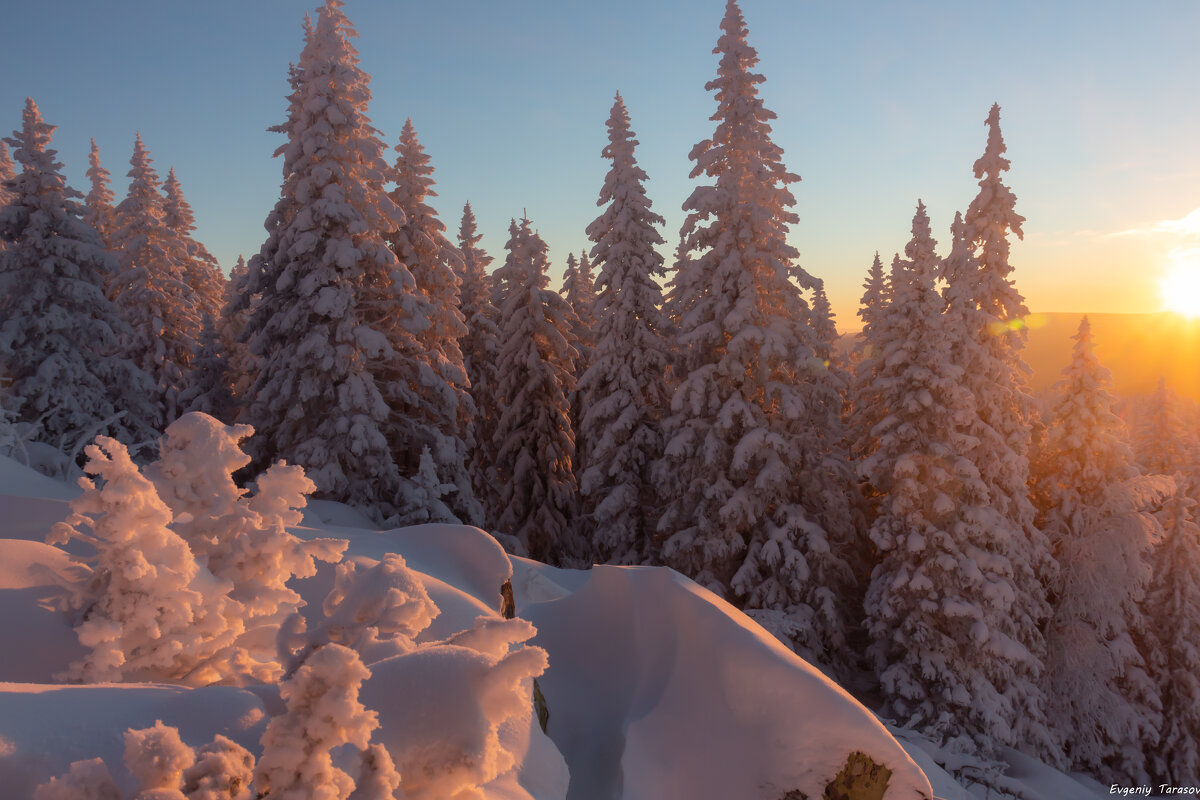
878	104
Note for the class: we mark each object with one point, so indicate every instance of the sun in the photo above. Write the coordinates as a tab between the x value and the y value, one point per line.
1180	285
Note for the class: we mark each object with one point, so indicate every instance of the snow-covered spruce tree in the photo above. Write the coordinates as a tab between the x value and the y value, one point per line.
240	362
201	271
443	409
322	713
626	381
995	372
1104	706
1172	608
1161	442
866	358
7	173
940	601
99	212
210	383
739	518
152	291
479	348
148	610
578	289
60	336
331	295
535	444
823	324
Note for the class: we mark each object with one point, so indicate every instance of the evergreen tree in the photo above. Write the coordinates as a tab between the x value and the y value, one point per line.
152	292
99	211
579	291
1173	607
6	175
60	350
535	444
238	359
1162	444
823	324
739	518
988	349
210	383
201	271
939	606
626	381
480	347
332	300
865	408
444	408
1097	688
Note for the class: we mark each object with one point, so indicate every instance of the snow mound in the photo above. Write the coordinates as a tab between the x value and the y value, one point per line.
648	672
18	479
37	640
45	728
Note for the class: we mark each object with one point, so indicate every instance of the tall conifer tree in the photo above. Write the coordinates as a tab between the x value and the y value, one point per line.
444	407
626	381
534	440
152	291
201	270
1103	703
60	348
480	348
331	295
1173	609
939	607
987	345
739	518
99	212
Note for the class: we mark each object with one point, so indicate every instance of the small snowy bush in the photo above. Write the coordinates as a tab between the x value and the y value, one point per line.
323	713
148	611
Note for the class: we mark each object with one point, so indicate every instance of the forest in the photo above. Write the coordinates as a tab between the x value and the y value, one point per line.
988	568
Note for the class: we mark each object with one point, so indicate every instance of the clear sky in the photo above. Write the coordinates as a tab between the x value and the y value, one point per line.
879	103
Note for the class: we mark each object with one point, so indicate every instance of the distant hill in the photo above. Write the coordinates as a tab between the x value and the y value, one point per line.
1137	348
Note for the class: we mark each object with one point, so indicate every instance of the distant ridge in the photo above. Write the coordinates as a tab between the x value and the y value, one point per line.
1137	348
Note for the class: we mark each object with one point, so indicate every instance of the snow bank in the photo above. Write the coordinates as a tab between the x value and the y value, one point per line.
18	479
649	672
45	728
36	640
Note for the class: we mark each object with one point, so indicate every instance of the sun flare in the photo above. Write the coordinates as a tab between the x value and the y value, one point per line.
1181	284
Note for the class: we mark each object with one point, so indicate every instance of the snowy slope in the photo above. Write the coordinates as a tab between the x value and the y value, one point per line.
656	688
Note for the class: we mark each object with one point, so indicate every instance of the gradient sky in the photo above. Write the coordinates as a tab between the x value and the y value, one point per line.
879	104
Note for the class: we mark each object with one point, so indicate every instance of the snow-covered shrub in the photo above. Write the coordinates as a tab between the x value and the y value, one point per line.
377	611
85	780
223	771
242	540
323	712
148	611
157	758
445	737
